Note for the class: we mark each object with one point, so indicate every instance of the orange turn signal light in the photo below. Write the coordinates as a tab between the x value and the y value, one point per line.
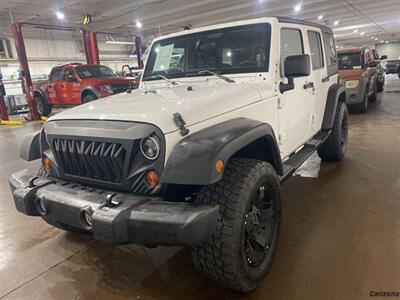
47	163
219	166
152	179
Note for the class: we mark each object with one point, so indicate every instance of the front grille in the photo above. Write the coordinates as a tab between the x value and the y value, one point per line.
102	161
120	88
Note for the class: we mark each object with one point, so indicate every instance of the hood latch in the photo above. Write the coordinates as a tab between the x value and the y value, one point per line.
180	123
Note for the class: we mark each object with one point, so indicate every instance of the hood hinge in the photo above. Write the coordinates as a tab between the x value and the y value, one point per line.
180	123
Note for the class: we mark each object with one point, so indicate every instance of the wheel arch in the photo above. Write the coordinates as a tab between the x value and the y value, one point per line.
198	152
336	93
40	93
89	90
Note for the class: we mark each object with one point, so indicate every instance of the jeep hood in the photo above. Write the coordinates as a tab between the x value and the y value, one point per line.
157	106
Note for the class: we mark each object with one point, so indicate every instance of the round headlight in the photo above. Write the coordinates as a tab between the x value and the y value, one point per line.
150	147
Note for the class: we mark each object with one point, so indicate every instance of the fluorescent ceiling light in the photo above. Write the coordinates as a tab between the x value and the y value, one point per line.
320	17
355	30
362	33
138	24
336	23
387	42
297	8
60	15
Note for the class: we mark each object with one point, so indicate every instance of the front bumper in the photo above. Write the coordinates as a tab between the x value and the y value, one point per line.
125	219
354	95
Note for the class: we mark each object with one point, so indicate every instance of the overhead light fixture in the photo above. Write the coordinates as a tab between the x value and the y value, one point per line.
297	8
382	42
336	23
355	30
320	17
110	40
387	42
138	24
362	33
375	39
60	15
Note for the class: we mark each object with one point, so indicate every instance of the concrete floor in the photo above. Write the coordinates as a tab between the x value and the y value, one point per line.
340	237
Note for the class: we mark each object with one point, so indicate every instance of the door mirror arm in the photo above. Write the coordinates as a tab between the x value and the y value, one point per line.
284	87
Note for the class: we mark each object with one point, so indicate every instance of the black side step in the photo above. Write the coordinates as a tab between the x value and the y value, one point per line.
299	157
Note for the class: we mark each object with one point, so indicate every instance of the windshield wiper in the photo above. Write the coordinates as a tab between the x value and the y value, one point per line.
227	79
162	77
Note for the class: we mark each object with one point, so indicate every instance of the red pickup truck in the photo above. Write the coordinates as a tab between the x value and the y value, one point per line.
74	84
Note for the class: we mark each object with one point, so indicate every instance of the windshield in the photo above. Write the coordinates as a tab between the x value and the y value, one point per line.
95	72
349	61
242	49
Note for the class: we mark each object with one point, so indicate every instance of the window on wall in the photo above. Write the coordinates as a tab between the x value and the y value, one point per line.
5	49
291	43
317	57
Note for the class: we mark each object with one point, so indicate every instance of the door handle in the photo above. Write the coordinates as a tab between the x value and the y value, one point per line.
308	85
325	79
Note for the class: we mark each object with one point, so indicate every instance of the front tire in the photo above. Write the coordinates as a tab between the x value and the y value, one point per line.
334	148
374	96
363	107
89	98
43	108
240	251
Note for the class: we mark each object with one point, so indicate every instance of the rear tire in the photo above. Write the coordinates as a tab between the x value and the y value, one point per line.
43	108
381	85
89	98
334	148
240	251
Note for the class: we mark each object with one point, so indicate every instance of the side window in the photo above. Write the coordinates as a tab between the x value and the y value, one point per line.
291	43
56	75
317	57
330	48
68	72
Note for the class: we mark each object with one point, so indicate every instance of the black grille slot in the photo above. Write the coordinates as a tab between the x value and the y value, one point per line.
90	159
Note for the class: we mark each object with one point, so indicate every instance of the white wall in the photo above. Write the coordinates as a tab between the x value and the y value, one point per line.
392	50
50	48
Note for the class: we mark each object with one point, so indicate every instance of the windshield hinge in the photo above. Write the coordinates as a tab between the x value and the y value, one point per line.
180	123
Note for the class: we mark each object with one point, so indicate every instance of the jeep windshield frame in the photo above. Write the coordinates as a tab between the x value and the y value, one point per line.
230	50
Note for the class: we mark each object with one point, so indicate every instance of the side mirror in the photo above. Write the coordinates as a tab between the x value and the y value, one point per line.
383	57
70	78
294	66
372	64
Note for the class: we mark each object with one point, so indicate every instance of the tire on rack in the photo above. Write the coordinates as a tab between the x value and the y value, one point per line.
334	148
43	108
363	106
89	97
239	253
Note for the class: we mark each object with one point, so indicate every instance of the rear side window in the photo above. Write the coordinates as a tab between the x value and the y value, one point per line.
330	48
56	75
317	57
291	43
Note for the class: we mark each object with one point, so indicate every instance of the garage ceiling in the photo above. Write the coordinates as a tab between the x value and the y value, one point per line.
359	21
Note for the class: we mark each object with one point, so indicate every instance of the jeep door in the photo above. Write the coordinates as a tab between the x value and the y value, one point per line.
319	73
295	106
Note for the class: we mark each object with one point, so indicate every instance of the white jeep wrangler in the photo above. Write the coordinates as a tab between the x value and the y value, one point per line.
196	155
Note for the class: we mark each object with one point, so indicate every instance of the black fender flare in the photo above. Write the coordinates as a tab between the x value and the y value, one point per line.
334	93
30	147
90	89
192	160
